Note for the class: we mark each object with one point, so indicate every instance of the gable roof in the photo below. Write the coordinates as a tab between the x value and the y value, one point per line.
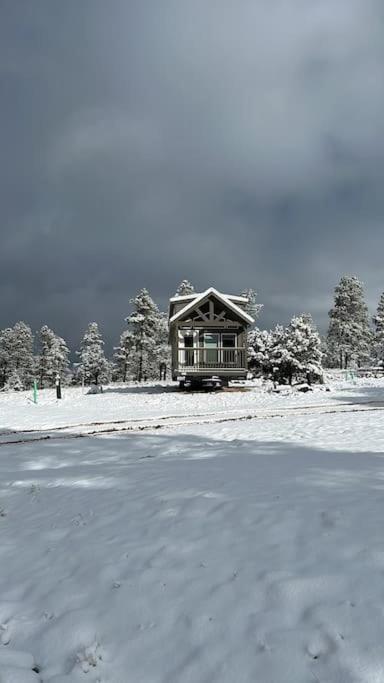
222	297
189	297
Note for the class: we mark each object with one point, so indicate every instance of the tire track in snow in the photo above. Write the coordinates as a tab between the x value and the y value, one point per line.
135	420
165	421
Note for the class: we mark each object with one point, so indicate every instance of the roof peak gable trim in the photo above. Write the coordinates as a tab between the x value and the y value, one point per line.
194	295
222	297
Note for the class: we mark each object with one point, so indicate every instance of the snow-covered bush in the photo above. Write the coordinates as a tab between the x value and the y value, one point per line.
303	355
259	350
288	352
14	382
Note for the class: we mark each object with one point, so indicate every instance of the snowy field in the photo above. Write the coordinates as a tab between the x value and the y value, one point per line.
232	537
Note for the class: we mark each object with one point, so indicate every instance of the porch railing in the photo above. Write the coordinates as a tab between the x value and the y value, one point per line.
212	358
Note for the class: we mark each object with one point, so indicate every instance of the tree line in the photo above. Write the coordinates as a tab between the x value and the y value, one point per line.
142	348
295	351
298	351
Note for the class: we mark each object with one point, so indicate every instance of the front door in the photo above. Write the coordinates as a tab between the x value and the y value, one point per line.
211	346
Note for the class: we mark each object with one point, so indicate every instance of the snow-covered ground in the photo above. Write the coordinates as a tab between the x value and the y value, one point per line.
151	403
222	550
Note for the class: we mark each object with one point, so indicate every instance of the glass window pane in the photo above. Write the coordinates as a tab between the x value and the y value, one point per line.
211	340
228	340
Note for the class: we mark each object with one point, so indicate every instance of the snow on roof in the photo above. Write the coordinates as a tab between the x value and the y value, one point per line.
194	295
184	297
222	297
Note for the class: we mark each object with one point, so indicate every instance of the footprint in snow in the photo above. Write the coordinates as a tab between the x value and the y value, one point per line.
90	657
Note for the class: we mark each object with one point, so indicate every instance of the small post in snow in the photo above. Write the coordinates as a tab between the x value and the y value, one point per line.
35	391
58	386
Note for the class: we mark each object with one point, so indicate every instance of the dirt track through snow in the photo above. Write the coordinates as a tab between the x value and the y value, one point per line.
80	430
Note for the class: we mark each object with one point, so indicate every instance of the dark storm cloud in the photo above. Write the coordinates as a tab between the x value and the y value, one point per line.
233	143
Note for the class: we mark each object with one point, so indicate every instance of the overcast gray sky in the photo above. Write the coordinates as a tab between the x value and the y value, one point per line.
238	143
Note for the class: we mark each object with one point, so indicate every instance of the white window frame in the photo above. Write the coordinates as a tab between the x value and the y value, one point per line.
233	335
212	348
229	334
181	345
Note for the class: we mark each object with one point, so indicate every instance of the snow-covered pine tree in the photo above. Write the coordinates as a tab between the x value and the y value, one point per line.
162	355
308	320
6	346
378	339
304	347
252	307
22	359
349	336
94	365
53	357
281	358
296	351
184	288
259	350
13	382
124	355
327	362
331	353
144	323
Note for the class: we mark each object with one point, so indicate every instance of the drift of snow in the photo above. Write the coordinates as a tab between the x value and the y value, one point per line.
214	553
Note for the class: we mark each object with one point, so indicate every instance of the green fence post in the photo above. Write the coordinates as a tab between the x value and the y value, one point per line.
34	391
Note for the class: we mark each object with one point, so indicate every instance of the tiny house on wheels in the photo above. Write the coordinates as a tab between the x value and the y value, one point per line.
208	337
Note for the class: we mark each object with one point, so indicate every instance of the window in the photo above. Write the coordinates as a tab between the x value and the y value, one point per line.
189	345
211	346
228	340
228	352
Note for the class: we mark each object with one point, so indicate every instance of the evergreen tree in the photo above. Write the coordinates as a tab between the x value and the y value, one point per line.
94	365
308	320
6	346
349	336
123	355
327	362
184	288
162	354
282	360
14	382
144	324
22	359
296	351
378	339
252	307
53	357
304	347
259	351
